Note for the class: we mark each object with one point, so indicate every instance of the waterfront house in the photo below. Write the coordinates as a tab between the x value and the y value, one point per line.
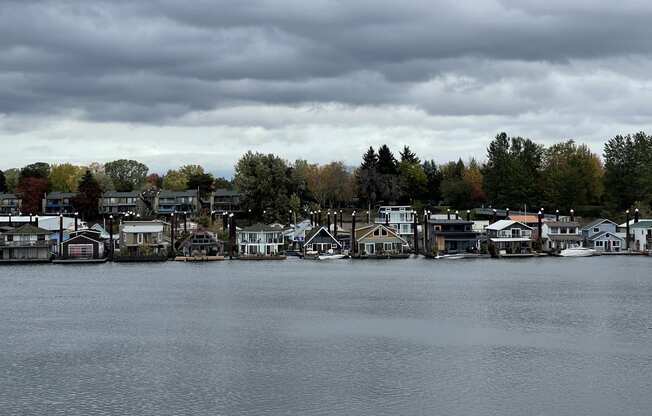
602	235
380	241
83	245
26	243
56	203
508	237
560	235
177	201
400	218
143	239
10	204
226	200
201	242
320	240
641	235
448	236
260	240
120	203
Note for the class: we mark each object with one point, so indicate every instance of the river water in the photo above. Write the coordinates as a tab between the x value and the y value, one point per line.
402	337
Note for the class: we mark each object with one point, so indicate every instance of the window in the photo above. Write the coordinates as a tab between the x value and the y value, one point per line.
599	243
387	246
140	238
596	230
616	243
377	232
516	232
383	232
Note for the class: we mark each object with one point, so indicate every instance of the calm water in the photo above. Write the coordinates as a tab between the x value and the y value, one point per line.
405	337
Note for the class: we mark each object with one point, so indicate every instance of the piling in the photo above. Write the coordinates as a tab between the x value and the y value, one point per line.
353	242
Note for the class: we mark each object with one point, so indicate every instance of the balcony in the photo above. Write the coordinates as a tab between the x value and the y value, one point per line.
38	243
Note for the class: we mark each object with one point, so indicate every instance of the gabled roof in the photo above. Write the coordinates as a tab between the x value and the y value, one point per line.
28	229
606	234
81	237
315	231
365	231
502	224
597	222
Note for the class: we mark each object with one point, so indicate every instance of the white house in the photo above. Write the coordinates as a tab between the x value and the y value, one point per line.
260	240
510	237
641	235
400	218
559	235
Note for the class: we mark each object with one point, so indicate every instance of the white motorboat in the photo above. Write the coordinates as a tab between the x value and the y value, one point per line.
577	251
332	256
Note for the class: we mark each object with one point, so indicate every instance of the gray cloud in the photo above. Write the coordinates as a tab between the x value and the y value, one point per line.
549	68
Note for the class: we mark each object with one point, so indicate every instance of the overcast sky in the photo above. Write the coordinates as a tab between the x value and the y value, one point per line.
172	82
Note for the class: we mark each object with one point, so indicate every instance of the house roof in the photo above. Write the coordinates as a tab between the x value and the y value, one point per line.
81	237
28	229
596	223
604	234
365	231
226	192
502	224
642	224
631	222
116	194
61	195
315	231
530	218
561	224
259	227
165	193
142	226
451	221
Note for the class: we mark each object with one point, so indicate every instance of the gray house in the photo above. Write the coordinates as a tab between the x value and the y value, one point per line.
320	240
602	235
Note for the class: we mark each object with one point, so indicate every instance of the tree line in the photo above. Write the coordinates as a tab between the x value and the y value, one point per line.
517	173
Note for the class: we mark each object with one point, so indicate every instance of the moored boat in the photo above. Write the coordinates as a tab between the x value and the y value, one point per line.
577	252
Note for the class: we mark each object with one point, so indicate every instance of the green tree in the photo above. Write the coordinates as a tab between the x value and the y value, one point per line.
263	181
222	183
3	182
175	181
87	199
36	170
190	170
413	179
368	177
572	176
409	156
628	170
434	178
65	177
202	181
12	176
127	175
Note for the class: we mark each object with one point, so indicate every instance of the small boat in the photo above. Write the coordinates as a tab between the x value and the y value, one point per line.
450	256
577	251
332	256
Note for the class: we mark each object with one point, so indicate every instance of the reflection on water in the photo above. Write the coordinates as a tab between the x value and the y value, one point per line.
404	337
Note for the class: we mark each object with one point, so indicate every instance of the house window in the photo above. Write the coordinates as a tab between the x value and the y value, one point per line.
616	243
370	248
383	231
599	243
387	246
140	238
596	230
516	232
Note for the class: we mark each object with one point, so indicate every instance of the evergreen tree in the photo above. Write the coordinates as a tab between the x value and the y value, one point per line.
387	164
369	159
87	200
433	183
3	182
408	156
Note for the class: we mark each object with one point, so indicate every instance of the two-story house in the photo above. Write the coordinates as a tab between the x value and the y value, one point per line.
380	241
510	238
641	235
177	201
400	218
56	203
27	243
602	235
120	202
560	235
10	204
449	236
201	242
260	240
320	240
226	200
143	239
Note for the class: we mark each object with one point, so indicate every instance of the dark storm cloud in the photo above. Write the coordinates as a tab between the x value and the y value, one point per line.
152	61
